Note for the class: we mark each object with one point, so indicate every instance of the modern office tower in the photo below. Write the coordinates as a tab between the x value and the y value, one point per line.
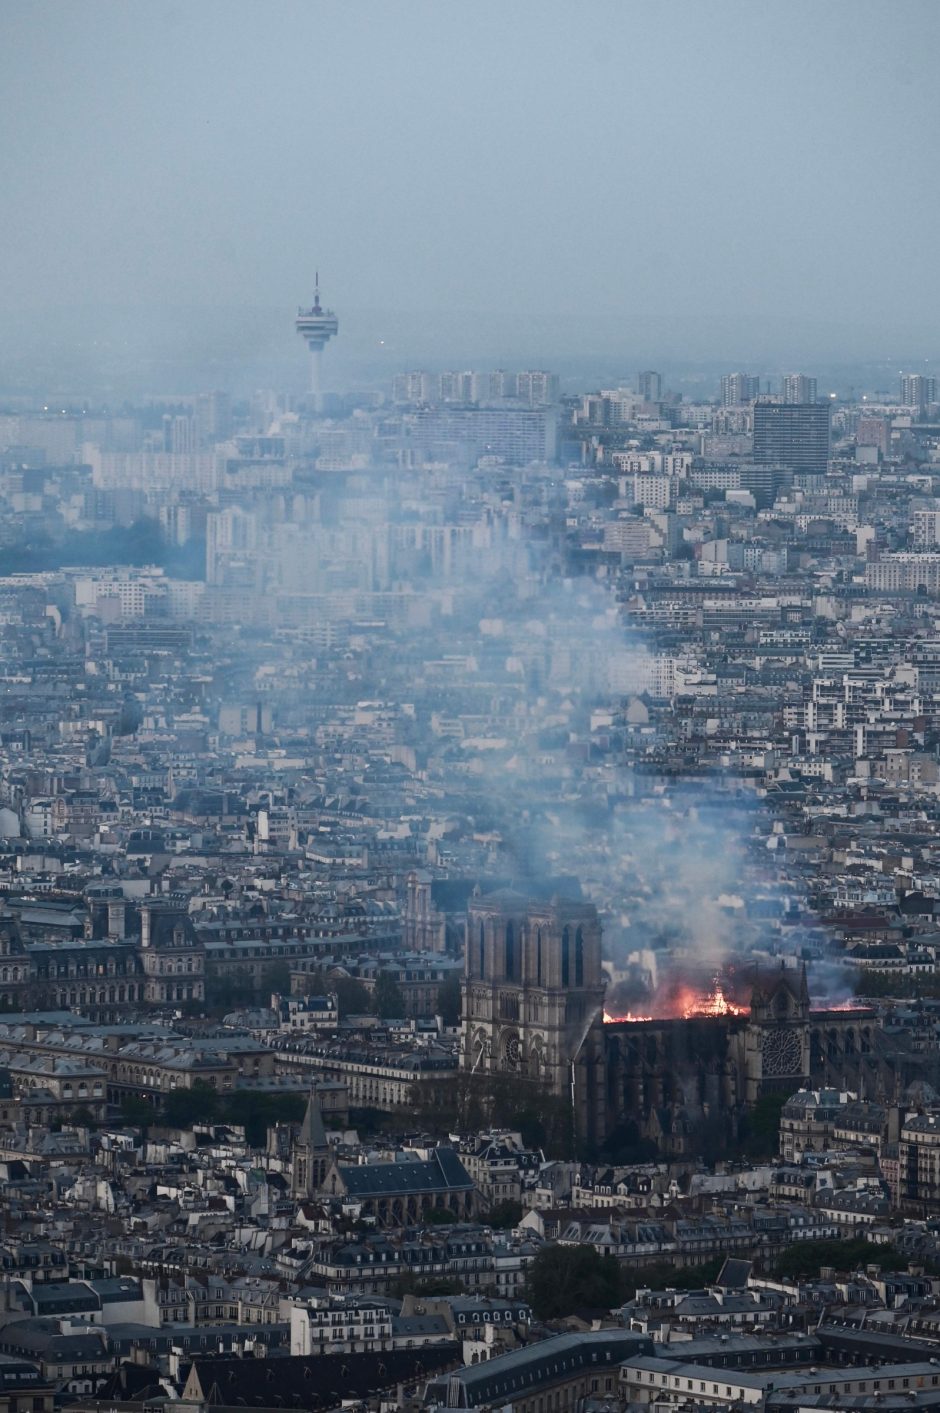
739	387
179	433
917	390
417	386
501	384
465	385
537	388
925	529
231	539
213	418
451	387
517	435
317	326
796	387
650	385
794	435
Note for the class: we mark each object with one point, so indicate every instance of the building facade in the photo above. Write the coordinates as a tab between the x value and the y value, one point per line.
795	435
533	992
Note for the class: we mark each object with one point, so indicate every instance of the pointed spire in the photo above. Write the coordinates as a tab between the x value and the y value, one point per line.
312	1132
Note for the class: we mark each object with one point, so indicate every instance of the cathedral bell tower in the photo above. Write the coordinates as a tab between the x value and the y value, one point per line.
532	998
777	1056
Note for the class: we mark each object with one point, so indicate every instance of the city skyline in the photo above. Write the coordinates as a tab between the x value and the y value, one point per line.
469	728
201	212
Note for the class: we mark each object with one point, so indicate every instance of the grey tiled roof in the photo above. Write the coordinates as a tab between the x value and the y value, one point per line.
443	1172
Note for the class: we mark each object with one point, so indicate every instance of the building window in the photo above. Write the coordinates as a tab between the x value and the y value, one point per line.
579	958
510	952
565	965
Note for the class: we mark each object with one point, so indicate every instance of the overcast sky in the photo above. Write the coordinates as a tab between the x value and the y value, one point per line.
670	163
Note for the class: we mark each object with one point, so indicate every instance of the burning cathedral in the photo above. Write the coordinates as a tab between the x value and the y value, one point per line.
532	1008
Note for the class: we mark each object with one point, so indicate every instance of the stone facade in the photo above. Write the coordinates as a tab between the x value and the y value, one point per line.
532	993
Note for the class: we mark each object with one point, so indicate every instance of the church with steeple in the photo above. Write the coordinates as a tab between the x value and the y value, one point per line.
310	1154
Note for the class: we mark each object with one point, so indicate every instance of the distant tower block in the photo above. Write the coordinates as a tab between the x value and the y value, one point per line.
317	326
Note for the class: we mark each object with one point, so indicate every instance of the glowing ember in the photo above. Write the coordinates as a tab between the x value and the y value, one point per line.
717	1004
851	1004
685	1003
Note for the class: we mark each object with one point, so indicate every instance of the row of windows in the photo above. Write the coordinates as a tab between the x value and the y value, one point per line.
920	1381
81	997
512	962
128	967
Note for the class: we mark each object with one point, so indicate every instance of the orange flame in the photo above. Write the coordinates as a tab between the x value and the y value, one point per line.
716	1004
685	1003
852	1003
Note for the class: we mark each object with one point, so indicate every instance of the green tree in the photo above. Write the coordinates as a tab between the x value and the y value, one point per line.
504	1215
448	1000
257	1112
228	993
387	999
137	1113
544	1120
661	1276
563	1279
185	1107
83	1117
275	977
129	718
804	1258
352	998
761	1129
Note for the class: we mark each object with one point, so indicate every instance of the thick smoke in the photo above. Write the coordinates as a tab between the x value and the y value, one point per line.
498	628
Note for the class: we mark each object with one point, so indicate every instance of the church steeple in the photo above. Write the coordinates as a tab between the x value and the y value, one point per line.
311	1152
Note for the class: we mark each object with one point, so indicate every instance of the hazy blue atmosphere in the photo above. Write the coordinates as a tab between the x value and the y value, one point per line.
587	185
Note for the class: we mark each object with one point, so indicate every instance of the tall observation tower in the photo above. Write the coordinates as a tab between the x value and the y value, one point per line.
317	325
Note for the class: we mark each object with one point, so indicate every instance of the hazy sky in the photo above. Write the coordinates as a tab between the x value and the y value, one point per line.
520	164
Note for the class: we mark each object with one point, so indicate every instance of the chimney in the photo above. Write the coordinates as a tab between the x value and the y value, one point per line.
116	919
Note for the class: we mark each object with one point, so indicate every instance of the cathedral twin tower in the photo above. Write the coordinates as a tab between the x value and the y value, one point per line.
533	992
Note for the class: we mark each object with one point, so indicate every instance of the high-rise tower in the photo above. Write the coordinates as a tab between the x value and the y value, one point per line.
797	387
794	435
738	388
317	325
917	390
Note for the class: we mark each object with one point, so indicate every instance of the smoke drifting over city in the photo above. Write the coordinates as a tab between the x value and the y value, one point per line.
469	707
